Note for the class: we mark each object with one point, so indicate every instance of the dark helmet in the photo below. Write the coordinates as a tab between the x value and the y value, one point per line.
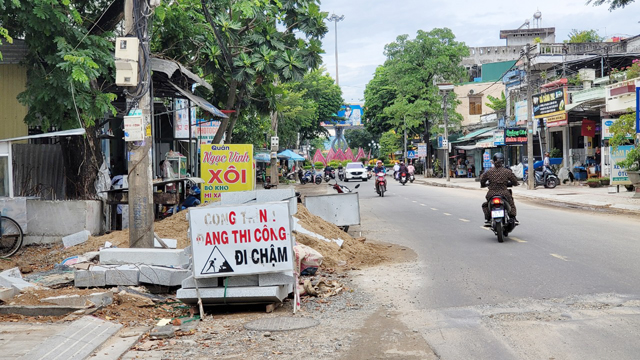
498	158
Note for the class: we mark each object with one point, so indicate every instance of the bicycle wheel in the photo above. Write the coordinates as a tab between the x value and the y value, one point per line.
10	236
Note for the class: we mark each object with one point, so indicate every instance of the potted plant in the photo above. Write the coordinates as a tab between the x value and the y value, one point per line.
604	181
594	182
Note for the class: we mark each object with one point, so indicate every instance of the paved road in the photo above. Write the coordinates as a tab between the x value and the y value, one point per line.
565	285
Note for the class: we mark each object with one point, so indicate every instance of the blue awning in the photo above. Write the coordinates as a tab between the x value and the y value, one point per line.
288	154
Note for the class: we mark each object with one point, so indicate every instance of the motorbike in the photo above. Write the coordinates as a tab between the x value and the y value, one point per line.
381	184
403	178
546	178
501	223
301	177
341	189
329	174
369	174
310	176
411	177
341	174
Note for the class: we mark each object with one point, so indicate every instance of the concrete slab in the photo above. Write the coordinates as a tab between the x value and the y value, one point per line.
15	343
77	342
6	294
42	310
97	299
237	281
171	243
275	279
94	277
190	283
160	257
116	346
13	273
16	283
163	275
122	275
238	197
236	295
76	238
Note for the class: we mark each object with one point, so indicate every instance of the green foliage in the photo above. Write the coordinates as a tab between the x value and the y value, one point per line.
613	4
575	80
333	163
404	88
362	160
555	153
584	36
498	105
390	142
537	40
318	164
622	130
359	138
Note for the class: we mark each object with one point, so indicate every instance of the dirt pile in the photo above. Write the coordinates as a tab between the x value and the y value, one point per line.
353	253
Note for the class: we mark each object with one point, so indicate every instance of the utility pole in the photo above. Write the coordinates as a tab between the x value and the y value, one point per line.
335	18
140	173
446	136
274	148
405	137
530	172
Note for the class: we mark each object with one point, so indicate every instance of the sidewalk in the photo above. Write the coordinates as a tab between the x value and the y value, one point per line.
569	195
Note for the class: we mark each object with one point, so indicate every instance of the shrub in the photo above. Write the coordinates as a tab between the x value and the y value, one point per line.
362	160
333	163
318	164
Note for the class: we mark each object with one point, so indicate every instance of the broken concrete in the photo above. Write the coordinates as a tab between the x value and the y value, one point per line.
96	276
162	332
42	310
97	299
243	280
16	283
6	294
122	275
12	273
236	295
76	238
60	276
159	257
171	243
159	275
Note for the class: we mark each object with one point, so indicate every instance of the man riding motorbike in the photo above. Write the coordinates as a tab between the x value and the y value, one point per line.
403	169
498	177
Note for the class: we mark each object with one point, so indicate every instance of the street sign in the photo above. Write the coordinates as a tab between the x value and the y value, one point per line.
498	137
240	239
422	149
486	160
442	142
411	154
619	174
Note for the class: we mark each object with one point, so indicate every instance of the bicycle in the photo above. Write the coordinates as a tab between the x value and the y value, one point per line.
11	236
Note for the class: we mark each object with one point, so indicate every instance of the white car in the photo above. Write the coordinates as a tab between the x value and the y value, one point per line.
355	170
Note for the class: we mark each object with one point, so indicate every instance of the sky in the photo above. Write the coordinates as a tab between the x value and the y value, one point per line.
369	25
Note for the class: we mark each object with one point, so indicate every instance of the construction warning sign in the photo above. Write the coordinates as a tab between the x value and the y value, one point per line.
240	239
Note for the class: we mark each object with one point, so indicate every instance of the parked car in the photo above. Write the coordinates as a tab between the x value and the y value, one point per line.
355	170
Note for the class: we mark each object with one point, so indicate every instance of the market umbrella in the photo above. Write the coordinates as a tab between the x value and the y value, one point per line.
288	154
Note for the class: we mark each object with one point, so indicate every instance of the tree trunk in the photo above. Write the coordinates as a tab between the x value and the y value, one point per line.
231	100
82	159
233	121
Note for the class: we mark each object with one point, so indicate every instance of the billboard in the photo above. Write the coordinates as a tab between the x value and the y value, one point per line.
548	104
205	130
226	168
349	114
619	174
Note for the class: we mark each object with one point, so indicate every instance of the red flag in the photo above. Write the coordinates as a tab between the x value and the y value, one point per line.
588	128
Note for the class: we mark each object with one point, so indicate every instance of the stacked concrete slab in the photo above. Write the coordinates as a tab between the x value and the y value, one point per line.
244	289
124	266
12	284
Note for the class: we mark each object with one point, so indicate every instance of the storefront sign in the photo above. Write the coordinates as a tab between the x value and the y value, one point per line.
226	168
557	120
489	118
205	130
619	174
240	240
606	125
498	137
521	112
515	136
422	150
486	159
549	103
181	118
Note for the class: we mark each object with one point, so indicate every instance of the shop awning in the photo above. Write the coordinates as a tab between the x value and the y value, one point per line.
485	144
202	103
466	147
474	134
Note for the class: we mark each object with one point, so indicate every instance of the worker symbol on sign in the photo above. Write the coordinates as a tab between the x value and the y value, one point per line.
216	263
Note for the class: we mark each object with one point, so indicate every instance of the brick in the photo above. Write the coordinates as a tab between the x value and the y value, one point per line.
162	275
94	277
159	257
123	275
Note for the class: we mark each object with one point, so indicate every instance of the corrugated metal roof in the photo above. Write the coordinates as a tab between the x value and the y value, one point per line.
474	134
73	132
169	67
202	103
13	53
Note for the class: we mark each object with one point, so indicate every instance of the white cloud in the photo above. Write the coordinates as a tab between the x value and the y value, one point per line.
371	24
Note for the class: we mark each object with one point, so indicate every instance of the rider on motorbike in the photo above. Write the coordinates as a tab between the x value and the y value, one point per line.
378	169
403	168
411	169
498	178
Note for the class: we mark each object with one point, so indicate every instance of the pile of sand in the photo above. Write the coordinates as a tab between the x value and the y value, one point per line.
353	253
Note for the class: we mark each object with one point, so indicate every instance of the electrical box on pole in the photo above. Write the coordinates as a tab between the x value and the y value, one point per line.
126	61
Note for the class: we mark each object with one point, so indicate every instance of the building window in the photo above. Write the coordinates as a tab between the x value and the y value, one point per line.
4	176
475	105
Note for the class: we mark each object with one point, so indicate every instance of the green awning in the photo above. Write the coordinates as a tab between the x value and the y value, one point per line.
474	134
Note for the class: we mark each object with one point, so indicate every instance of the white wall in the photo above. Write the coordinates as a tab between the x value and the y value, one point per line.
462	92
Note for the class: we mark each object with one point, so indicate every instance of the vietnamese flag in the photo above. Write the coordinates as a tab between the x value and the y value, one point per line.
588	128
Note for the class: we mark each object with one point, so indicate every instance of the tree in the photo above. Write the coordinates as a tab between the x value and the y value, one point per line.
613	4
359	138
390	142
378	94
584	36
69	64
497	105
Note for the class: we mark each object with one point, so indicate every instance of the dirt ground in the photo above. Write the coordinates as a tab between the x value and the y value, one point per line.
136	311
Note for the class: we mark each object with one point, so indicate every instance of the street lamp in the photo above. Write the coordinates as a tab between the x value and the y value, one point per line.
445	88
335	18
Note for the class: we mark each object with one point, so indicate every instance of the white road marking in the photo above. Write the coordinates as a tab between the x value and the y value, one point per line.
485	228
447	214
464	220
434	209
559	257
423	205
414	201
517	239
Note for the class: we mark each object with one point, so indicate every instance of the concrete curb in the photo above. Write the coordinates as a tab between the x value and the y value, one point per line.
596	206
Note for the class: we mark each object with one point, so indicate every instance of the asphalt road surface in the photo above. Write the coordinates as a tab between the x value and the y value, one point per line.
564	285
